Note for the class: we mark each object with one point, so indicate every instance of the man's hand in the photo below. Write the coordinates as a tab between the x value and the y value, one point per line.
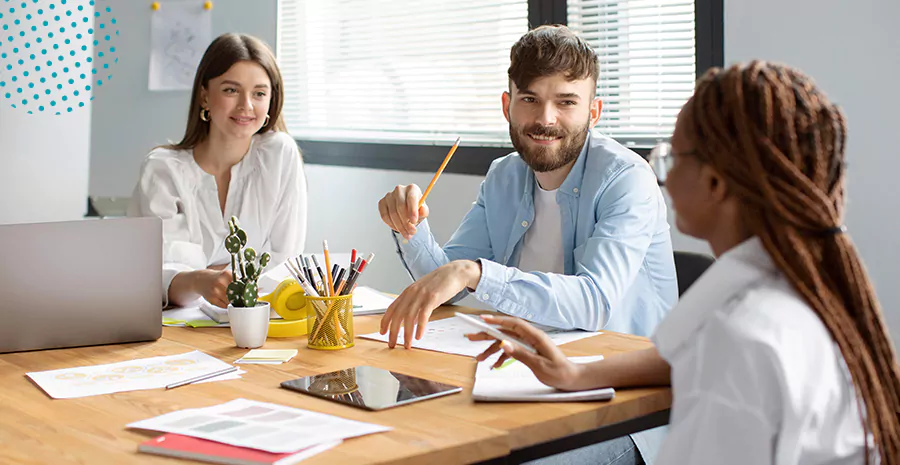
416	303
400	210
549	364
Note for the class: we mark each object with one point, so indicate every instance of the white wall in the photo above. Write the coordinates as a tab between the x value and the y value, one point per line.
851	49
129	120
350	219
44	156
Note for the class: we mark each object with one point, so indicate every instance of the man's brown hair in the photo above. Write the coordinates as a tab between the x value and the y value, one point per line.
549	50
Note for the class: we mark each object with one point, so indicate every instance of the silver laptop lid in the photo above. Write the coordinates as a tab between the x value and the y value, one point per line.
80	283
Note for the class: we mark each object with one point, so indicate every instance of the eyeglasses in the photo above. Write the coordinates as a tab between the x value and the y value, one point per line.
661	160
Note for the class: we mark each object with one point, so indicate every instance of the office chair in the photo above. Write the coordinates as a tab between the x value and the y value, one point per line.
688	267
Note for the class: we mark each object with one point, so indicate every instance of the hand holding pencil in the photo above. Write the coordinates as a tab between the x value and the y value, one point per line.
404	208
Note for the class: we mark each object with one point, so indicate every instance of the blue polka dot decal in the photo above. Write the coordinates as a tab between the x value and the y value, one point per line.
46	48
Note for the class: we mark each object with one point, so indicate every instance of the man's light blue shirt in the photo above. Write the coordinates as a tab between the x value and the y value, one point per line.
619	267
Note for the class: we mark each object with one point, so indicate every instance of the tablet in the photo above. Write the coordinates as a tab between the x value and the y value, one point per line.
370	388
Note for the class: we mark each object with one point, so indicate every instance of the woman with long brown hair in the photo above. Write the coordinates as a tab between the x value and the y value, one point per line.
778	354
235	159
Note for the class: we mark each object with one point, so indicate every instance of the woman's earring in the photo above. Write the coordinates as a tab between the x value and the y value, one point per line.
267	121
204	114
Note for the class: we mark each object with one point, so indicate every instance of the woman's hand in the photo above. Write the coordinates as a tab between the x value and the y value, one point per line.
549	364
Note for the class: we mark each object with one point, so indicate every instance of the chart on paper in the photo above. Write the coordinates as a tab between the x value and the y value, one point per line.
132	375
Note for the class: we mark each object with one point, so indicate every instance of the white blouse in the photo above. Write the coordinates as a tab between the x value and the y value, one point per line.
267	193
756	376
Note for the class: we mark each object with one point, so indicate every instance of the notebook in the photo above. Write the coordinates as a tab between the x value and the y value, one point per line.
515	382
187	447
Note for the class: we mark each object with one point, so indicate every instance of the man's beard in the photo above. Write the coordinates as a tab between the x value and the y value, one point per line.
543	159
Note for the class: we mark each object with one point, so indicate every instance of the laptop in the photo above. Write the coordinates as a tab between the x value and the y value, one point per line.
80	283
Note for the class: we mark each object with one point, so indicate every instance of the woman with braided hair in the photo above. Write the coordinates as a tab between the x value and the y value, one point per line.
778	354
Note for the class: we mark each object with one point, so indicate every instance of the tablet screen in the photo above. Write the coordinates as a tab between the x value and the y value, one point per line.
369	387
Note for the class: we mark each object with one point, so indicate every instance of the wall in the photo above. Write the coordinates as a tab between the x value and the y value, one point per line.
129	119
352	220
850	49
43	178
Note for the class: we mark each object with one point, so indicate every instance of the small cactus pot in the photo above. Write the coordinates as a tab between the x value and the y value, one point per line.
249	325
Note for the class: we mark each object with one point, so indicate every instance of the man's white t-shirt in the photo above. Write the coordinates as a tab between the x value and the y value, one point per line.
542	248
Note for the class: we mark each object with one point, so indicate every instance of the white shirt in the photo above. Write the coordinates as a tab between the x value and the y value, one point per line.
756	376
542	248
267	193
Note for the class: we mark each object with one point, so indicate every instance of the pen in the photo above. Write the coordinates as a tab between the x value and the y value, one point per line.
309	290
339	281
334	271
307	266
202	377
351	281
321	273
352	257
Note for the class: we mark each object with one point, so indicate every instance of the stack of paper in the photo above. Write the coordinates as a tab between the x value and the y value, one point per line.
259	425
448	336
515	382
368	301
132	375
268	356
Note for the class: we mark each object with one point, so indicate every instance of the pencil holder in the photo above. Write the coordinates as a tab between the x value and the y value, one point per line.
331	325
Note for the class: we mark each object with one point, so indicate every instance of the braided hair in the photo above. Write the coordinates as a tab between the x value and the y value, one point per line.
780	144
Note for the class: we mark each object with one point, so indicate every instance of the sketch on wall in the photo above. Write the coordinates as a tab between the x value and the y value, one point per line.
180	33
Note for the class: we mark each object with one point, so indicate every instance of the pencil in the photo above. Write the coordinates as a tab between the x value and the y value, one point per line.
202	377
330	285
438	173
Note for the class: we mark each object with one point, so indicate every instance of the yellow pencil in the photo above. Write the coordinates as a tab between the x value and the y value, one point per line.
439	171
330	284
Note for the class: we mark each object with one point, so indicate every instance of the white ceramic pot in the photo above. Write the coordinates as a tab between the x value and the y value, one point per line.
249	325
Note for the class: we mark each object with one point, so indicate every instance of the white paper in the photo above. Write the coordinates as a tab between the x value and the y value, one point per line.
368	301
448	336
132	375
516	382
180	31
259	425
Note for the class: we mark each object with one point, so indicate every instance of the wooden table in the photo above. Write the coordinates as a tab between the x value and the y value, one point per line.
452	429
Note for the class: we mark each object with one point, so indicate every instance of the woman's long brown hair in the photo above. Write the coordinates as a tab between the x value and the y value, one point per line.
222	53
780	143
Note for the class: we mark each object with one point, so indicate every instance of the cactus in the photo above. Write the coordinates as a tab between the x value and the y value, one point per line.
246	267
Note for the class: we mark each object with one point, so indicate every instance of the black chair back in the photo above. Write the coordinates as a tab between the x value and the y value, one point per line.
688	267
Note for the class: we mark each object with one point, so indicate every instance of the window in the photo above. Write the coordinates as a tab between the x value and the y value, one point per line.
391	83
647	63
398	71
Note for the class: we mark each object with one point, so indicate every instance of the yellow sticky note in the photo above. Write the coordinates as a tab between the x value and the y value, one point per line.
270	354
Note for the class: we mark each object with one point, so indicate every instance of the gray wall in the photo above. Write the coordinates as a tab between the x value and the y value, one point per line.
851	49
128	119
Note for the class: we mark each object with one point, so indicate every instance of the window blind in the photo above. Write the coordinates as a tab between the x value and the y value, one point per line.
398	71
647	63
